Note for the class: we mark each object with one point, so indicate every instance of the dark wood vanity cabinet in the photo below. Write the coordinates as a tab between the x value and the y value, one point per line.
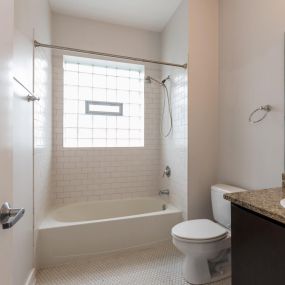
258	249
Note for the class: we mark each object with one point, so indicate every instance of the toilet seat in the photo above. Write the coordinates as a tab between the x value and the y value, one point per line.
199	231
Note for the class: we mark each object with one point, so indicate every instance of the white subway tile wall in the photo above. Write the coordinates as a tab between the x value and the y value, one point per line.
174	149
42	133
80	174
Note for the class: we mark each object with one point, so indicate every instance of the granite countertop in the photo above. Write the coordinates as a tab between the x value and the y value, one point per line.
265	202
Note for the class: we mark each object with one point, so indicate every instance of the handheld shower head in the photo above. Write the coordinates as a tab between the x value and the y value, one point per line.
166	97
149	79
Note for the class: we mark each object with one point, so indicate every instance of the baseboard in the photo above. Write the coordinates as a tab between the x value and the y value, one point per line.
31	280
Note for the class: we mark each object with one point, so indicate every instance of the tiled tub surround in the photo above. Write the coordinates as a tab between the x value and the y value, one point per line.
89	228
42	133
265	202
81	174
174	148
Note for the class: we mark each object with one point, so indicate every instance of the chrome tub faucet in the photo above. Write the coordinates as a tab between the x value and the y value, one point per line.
164	192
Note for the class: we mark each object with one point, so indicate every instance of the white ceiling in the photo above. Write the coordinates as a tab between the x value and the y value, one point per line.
151	15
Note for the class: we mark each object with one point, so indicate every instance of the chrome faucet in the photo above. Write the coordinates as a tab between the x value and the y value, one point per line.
164	192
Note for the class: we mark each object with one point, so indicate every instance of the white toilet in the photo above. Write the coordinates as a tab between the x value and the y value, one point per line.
207	244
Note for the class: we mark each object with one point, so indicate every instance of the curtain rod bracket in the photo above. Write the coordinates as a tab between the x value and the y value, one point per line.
36	43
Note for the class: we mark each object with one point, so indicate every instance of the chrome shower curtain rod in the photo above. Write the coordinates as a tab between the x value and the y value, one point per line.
37	44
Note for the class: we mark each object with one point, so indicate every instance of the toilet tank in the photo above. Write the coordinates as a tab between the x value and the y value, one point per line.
221	207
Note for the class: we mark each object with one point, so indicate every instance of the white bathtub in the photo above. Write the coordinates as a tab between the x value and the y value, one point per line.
89	228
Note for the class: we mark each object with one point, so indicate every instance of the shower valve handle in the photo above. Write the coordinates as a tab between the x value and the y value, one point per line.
167	172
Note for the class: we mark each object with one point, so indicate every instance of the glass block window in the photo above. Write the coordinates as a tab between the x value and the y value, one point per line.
103	103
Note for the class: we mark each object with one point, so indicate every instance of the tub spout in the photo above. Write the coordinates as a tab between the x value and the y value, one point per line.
164	192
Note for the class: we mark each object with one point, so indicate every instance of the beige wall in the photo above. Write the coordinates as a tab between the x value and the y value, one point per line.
252	74
223	146
6	125
32	20
203	104
93	35
174	148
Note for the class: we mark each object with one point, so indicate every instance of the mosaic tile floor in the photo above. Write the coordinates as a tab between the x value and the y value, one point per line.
155	265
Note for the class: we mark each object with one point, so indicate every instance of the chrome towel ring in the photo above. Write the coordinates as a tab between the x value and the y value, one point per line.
266	109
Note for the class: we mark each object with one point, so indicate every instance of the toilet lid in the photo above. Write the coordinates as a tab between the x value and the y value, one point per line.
199	230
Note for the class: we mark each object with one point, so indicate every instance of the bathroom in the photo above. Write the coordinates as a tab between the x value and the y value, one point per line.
144	124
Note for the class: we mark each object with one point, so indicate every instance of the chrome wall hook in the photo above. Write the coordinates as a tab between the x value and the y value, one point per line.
32	98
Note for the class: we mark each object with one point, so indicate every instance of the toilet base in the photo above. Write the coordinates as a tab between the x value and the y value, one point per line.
197	271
